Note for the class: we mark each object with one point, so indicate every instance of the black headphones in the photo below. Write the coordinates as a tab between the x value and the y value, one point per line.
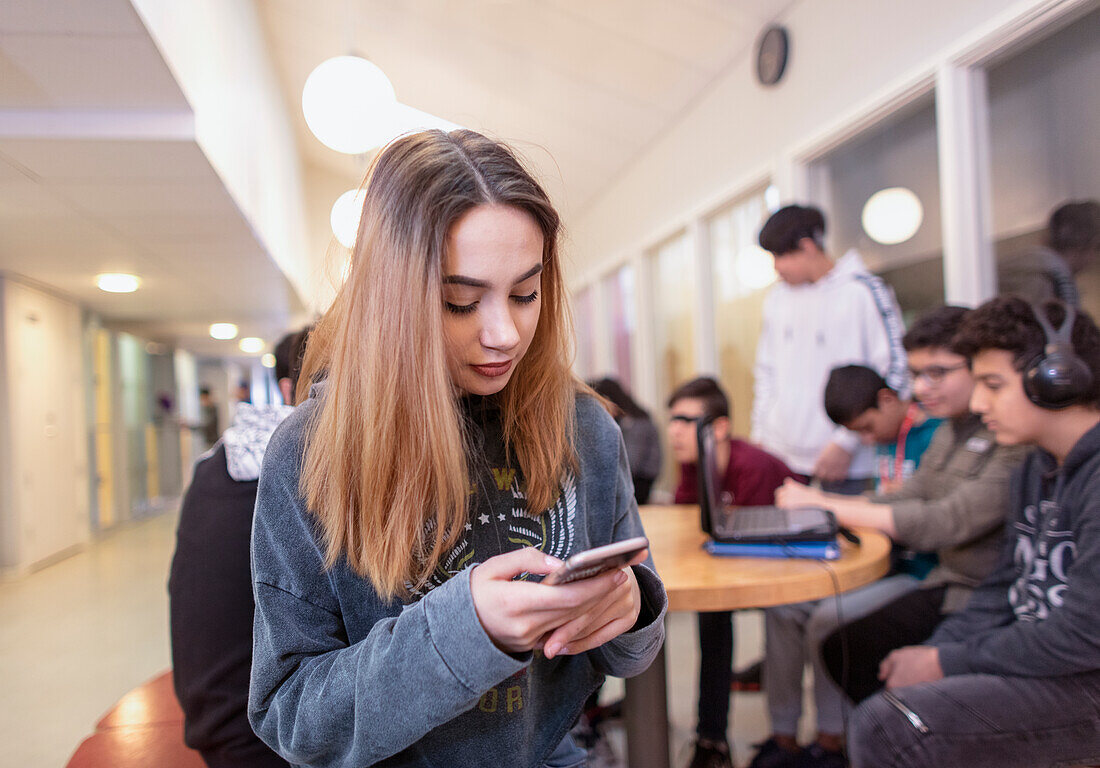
1057	378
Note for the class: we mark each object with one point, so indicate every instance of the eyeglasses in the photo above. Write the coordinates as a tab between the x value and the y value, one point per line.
934	374
684	419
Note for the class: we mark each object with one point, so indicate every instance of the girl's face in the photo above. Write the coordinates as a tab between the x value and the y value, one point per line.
492	289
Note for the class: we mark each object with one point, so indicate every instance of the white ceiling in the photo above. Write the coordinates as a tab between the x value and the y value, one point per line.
580	86
99	172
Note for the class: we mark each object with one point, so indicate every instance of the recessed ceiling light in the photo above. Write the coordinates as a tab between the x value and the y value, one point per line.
268	360
250	345
223	331
117	282
892	215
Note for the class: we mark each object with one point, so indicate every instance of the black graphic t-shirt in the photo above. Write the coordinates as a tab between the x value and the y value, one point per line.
499	520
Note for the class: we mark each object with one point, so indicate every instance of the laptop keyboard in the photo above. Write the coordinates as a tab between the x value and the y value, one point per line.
748	520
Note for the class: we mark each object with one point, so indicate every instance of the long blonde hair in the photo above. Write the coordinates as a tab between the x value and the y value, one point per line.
385	468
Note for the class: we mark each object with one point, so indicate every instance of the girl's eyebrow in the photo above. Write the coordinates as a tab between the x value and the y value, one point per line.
473	282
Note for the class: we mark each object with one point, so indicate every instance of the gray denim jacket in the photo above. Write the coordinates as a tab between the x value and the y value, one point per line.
341	678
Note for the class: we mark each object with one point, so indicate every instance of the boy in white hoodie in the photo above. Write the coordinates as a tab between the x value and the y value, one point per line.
822	314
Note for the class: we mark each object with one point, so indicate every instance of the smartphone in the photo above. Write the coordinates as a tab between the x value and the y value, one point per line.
593	562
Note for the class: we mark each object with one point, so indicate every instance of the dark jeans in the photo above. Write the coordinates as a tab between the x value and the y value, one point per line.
980	721
908	620
715	675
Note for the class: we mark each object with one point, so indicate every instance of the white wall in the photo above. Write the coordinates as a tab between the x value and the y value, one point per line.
850	59
217	53
44	506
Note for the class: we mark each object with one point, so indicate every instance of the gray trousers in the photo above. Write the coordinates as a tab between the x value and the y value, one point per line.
980	721
793	637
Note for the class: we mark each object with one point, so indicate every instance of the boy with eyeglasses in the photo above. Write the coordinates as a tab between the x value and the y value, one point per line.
953	505
1013	680
749	477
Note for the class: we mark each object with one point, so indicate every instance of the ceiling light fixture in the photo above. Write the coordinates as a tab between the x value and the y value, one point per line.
250	345
343	100
223	331
892	215
117	282
268	360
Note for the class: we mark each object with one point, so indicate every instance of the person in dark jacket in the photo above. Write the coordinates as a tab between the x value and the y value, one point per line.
1014	678
643	444
210	586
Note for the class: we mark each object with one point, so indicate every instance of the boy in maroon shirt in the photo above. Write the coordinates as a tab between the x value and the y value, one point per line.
749	477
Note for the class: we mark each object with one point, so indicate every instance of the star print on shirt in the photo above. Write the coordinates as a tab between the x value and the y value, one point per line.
483	519
469	527
500	517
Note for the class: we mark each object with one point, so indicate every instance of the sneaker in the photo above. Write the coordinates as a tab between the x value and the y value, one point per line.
770	755
816	756
749	679
711	754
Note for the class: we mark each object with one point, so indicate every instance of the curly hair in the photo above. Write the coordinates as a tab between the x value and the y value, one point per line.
1008	323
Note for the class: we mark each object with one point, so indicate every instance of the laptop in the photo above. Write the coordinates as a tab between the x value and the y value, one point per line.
744	525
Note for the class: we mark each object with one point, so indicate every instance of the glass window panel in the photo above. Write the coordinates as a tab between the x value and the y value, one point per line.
743	272
586	333
674	317
619	291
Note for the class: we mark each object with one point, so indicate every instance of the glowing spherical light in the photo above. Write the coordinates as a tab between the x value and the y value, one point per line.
223	331
250	345
343	98
268	360
892	215
756	269
117	282
346	212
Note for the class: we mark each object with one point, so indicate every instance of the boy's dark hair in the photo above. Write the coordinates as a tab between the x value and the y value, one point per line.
204	391
289	353
1008	323
851	391
935	328
715	402
786	228
1075	226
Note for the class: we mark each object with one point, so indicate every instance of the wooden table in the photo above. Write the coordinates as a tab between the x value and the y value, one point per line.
697	581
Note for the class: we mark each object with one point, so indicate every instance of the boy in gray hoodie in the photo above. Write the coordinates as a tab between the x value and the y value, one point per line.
1014	678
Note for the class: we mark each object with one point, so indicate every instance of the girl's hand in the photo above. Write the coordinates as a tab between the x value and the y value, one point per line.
517	615
608	619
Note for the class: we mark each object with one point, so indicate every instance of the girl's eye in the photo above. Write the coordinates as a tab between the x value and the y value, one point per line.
460	309
526	299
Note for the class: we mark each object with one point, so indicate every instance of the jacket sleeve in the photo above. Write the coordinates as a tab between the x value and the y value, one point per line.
763	372
971	509
988	638
632	652
318	699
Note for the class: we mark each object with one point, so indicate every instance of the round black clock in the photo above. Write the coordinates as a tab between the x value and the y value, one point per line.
771	54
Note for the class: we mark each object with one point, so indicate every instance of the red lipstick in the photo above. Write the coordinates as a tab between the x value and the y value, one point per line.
492	370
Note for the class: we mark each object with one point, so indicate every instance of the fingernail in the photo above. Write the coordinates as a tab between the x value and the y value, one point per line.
551	651
552	561
620	578
563	650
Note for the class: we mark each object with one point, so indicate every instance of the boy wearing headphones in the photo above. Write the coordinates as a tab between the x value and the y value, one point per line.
1014	678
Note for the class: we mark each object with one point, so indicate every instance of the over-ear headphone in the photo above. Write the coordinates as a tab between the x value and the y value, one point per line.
1057	378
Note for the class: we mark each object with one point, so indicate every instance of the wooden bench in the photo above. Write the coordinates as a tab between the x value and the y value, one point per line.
143	730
